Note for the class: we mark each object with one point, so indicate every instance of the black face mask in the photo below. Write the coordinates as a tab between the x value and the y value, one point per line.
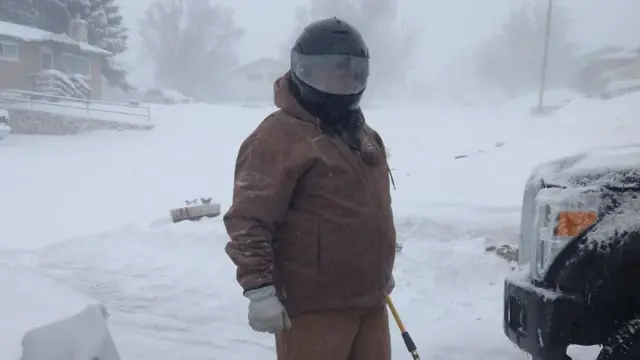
337	113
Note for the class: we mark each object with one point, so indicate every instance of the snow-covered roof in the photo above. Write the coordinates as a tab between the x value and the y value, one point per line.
30	34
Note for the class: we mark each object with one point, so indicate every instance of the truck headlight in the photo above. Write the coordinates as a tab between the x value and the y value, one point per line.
561	215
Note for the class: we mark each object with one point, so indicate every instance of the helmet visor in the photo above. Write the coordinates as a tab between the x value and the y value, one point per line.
332	74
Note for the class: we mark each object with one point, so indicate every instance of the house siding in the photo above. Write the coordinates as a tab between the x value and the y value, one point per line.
96	78
17	74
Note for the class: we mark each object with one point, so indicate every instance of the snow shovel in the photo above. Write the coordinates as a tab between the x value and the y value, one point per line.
411	346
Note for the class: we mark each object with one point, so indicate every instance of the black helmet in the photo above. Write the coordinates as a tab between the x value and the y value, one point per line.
329	68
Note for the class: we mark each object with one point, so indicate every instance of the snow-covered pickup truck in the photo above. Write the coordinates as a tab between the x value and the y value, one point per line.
579	256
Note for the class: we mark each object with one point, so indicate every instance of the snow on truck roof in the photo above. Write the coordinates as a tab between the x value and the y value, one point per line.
31	34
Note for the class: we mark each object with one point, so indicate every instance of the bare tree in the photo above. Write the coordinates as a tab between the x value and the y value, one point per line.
512	60
192	44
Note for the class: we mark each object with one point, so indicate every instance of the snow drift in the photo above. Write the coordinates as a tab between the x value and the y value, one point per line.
43	320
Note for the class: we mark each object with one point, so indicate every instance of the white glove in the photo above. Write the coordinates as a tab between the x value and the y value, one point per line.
266	313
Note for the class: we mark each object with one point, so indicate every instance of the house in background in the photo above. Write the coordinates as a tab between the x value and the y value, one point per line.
607	67
30	58
253	82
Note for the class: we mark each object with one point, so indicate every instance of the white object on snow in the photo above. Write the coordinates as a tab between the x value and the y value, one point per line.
195	212
43	320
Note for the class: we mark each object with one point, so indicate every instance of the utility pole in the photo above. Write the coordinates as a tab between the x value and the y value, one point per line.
545	56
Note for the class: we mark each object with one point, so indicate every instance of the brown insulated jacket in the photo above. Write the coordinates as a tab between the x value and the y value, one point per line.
311	214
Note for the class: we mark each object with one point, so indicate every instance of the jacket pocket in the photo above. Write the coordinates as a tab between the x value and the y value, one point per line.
297	242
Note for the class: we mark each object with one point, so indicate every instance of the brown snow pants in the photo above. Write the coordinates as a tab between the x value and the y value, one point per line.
358	334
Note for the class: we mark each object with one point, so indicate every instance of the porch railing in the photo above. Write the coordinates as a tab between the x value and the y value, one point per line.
36	101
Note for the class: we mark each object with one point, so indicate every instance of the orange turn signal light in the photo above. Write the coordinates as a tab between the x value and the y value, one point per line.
573	223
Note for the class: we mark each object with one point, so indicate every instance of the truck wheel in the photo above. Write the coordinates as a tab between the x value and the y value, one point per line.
624	344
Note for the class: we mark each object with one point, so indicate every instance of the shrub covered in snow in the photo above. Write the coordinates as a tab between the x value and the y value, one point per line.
55	82
81	87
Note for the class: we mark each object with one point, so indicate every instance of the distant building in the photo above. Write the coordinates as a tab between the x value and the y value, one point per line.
599	69
28	56
253	82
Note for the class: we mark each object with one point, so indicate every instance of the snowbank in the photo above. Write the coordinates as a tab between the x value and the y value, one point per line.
43	320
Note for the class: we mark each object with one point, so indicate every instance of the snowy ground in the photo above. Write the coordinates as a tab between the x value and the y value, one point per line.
88	211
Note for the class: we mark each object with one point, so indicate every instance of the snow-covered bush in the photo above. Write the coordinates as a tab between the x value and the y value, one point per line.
57	83
81	87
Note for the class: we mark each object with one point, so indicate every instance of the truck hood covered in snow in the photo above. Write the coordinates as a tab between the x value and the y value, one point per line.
616	167
42	319
613	167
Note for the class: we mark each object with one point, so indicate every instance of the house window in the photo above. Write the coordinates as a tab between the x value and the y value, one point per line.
76	65
9	51
46	59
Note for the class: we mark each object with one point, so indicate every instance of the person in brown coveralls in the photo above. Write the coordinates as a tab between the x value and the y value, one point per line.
311	225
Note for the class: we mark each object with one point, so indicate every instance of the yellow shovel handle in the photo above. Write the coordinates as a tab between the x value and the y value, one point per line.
395	314
408	341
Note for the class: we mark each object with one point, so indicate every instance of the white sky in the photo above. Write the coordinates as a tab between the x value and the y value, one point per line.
446	28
